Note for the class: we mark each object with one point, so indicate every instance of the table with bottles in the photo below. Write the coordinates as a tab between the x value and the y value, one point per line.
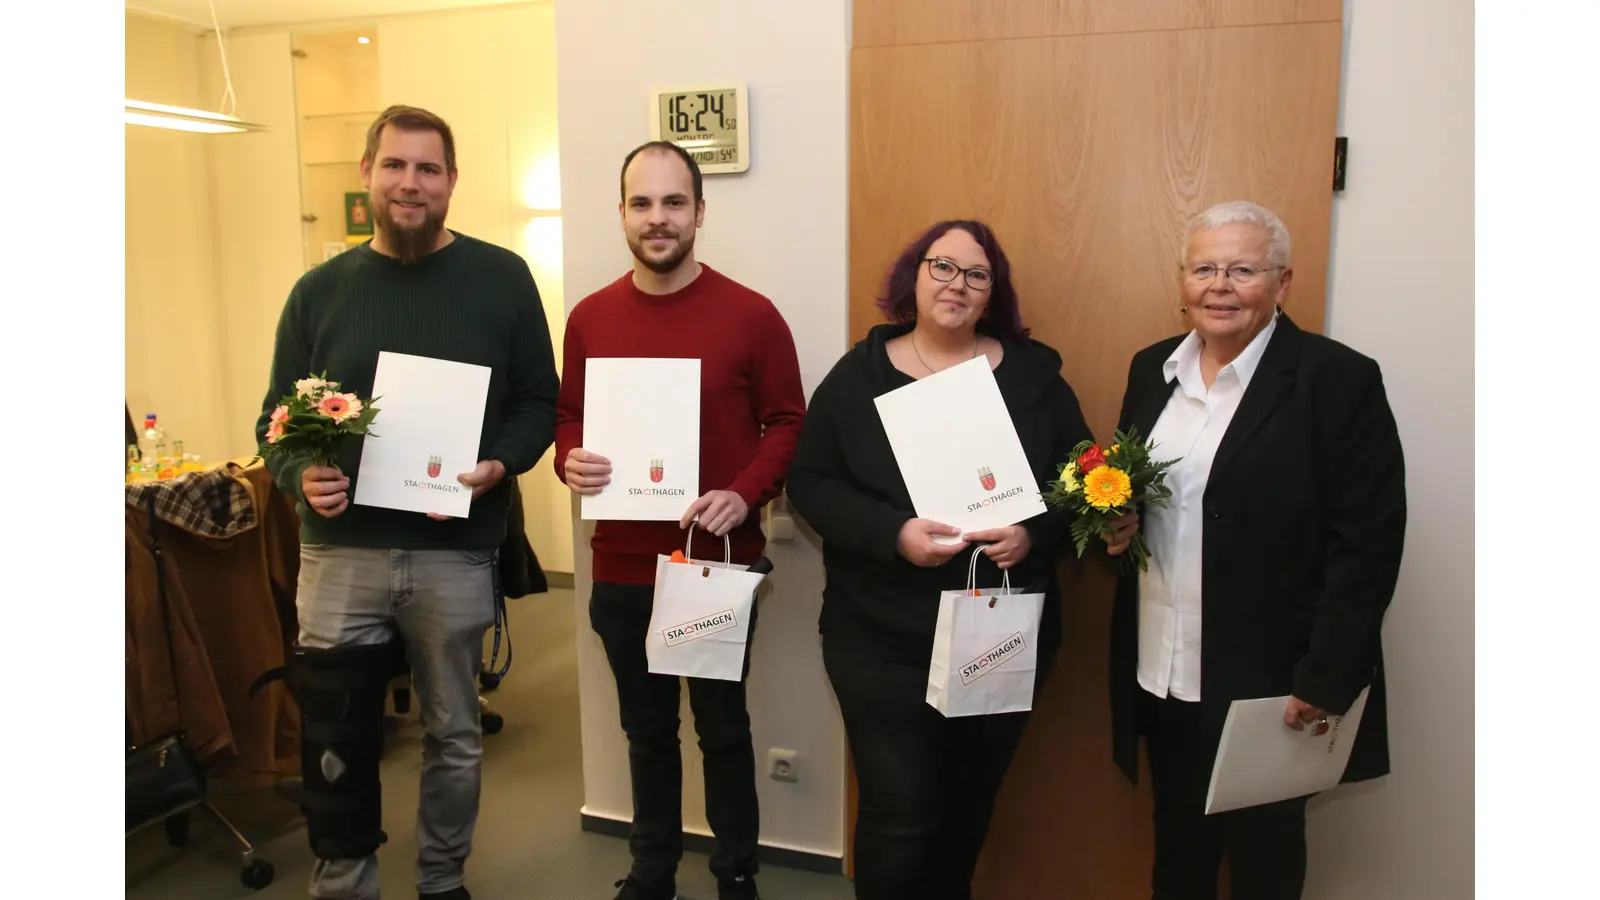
155	459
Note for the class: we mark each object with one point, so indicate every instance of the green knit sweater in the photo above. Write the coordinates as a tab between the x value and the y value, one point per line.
470	302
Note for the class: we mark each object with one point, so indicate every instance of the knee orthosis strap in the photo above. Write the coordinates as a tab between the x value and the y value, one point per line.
341	692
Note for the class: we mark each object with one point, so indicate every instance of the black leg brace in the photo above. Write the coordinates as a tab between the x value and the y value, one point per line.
341	692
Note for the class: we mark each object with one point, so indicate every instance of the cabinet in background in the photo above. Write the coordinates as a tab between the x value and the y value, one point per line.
336	85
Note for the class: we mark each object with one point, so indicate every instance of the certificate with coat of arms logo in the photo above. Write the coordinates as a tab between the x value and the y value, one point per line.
432	425
643	414
958	450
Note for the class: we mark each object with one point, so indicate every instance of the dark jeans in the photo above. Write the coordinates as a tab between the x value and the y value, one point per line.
927	783
620	615
1265	845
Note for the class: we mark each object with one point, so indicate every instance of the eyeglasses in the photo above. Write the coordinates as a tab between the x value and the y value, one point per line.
1242	275
977	277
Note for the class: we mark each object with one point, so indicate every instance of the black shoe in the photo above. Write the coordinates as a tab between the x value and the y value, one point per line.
739	887
633	890
455	893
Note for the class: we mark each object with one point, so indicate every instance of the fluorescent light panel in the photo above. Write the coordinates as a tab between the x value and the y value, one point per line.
179	118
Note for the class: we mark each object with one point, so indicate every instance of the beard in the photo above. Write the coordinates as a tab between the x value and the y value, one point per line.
669	263
409	243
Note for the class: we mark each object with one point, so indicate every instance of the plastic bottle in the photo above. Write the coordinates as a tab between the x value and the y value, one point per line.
152	437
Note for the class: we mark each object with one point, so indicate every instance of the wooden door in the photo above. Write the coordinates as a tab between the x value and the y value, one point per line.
1087	134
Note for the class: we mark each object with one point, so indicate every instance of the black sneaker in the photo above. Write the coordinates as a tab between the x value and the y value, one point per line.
633	890
739	887
455	893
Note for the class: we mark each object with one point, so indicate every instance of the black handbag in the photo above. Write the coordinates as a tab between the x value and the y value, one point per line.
163	777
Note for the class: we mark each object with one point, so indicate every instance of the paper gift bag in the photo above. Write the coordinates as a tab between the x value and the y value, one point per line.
985	649
700	621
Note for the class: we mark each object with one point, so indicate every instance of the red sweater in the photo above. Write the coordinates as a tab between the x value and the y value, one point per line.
751	403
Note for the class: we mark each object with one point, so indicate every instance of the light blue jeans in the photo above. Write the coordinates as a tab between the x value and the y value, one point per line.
442	602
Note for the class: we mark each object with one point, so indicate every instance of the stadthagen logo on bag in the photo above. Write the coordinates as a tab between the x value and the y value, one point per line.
699	628
993	658
656	470
433	466
986	478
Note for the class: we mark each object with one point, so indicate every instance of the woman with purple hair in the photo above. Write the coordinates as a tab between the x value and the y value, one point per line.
927	783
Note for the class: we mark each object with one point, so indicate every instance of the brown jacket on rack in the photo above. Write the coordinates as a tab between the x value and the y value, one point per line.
231	549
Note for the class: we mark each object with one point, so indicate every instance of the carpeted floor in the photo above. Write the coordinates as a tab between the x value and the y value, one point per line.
528	844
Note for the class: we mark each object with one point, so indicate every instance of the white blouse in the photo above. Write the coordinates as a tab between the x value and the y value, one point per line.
1191	426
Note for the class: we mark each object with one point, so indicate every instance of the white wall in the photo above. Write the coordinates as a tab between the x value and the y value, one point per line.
213	225
1401	291
256	192
795	60
174	327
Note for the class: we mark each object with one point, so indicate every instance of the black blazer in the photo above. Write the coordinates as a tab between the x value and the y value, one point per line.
1305	520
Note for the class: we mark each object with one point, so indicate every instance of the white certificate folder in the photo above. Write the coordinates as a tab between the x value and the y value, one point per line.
643	414
1262	760
426	434
958	451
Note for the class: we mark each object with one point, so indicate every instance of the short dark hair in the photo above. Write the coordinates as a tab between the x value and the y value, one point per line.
694	167
1003	318
410	118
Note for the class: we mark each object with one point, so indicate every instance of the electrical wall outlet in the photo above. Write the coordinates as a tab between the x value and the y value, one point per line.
783	765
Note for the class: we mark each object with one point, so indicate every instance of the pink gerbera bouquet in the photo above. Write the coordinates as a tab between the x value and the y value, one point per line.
308	425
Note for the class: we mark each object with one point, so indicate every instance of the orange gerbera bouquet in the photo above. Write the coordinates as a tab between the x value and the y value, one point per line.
308	425
1099	486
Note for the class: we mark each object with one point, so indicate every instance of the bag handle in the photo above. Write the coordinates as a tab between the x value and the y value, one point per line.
727	549
972	577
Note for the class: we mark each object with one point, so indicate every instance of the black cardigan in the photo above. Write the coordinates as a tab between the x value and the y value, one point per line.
845	482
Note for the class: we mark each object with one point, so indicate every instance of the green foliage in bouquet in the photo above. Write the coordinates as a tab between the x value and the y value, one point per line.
1099	486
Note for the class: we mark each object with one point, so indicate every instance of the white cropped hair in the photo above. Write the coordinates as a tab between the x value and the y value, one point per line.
1243	212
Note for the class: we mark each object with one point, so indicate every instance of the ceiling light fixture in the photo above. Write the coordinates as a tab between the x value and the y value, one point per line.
178	118
182	118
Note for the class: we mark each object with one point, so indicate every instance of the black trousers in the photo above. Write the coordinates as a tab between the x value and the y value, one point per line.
620	615
1265	845
927	783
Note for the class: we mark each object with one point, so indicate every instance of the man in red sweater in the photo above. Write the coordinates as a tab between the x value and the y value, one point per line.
751	406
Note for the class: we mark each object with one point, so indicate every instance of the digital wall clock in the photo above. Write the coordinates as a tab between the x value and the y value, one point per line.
711	121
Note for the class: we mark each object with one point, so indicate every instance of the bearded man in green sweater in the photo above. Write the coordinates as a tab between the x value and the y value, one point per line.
367	573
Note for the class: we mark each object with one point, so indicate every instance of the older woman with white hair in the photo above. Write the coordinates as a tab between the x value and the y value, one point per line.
1273	563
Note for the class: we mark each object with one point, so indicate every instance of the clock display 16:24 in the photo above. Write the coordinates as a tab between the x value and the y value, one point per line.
704	123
